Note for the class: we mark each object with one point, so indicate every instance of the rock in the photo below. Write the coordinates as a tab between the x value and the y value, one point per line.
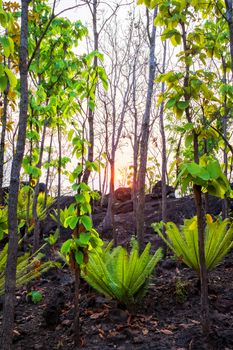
123	194
122	208
104	201
168	264
53	309
157	190
119	315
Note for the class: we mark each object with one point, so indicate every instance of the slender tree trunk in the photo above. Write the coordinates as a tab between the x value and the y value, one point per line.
77	338
201	244
145	140
198	200
229	16
90	111
203	272
224	131
2	143
36	236
109	223
136	140
9	301
59	177
29	196
164	150
48	171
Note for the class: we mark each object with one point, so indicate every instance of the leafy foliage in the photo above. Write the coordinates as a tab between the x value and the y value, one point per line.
184	242
26	197
208	174
3	222
120	275
29	267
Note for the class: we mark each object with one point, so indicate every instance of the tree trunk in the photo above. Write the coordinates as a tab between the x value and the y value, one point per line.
9	301
59	178
108	223
90	111
229	16
77	339
145	140
224	131
36	236
203	272
205	320
164	150
198	199
2	143
48	171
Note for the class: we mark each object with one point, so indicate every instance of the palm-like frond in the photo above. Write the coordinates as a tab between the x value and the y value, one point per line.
28	268
120	275
184	242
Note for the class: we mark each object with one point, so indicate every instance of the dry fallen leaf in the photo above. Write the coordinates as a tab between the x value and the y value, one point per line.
97	315
166	331
145	331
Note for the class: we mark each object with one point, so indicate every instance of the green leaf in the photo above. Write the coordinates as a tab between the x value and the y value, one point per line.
171	102
188	140
84	238
182	105
36	296
11	77
214	169
3	83
79	257
197	171
71	222
65	248
86	221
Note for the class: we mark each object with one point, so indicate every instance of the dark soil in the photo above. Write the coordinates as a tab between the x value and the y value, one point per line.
167	318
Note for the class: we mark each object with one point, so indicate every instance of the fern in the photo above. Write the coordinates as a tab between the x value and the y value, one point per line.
184	242
121	276
28	268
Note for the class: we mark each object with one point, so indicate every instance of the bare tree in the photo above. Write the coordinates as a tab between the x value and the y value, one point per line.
115	103
145	135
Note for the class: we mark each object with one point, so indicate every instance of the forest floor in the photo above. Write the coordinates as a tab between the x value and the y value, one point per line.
168	318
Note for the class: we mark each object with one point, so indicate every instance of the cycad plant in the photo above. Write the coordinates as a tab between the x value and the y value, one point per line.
120	275
184	241
29	267
24	212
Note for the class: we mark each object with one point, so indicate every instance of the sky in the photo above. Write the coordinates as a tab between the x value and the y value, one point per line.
124	154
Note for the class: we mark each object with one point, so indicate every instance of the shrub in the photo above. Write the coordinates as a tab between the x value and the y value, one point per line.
28	268
184	242
120	275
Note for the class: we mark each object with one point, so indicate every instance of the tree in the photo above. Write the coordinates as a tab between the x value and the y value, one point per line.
9	301
145	137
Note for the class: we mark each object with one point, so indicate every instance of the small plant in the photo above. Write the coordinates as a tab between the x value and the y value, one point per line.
3	222
24	213
180	289
29	267
35	296
184	242
120	275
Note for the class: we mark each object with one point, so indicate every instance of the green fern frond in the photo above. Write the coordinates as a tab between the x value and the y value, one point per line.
28	268
184	242
117	275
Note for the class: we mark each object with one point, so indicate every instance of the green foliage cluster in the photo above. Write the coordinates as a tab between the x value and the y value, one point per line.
208	174
120	275
24	209
184	241
29	267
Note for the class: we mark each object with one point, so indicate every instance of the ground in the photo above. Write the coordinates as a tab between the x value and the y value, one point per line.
168	318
